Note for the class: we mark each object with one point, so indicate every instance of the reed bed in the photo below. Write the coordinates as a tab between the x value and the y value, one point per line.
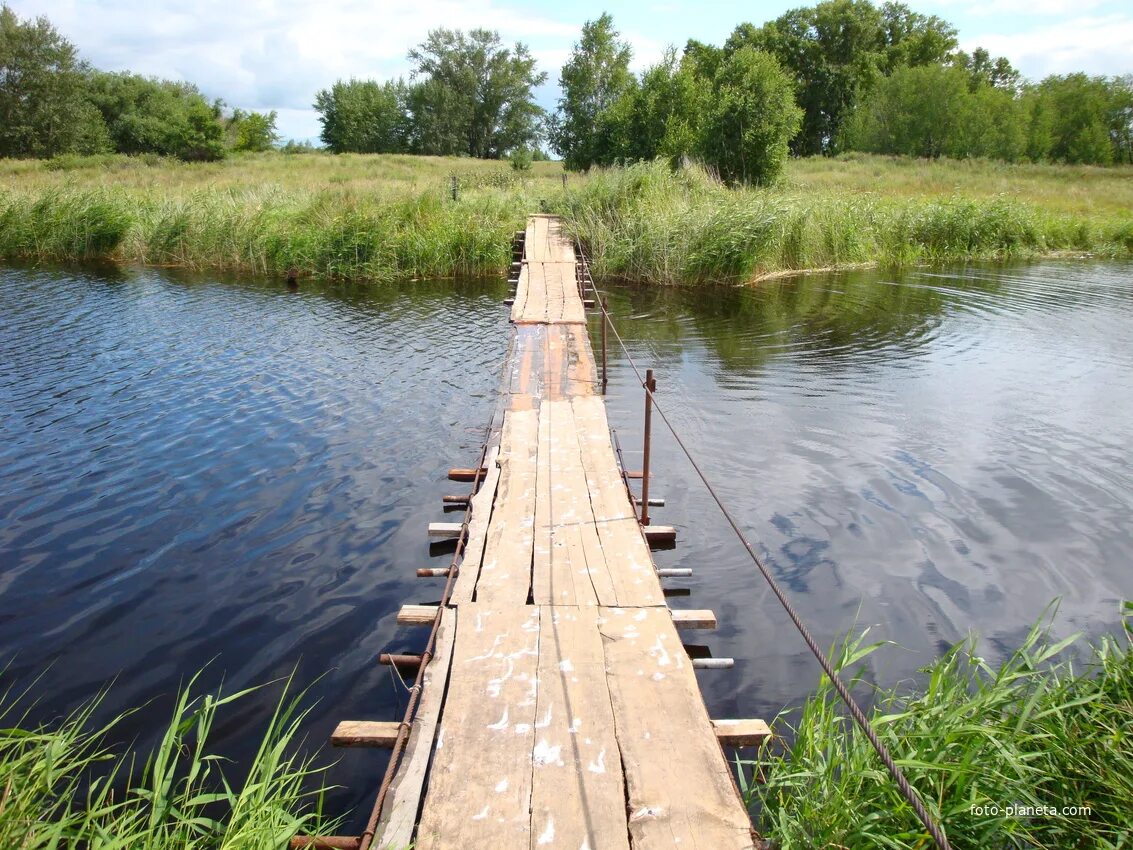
1034	753
388	217
647	223
64	787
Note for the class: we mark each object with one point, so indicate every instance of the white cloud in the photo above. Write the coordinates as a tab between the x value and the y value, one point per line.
1099	44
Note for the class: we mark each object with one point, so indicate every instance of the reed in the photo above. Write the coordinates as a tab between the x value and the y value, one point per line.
63	786
645	223
1036	734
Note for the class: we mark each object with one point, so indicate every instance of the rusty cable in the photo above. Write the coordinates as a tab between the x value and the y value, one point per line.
907	791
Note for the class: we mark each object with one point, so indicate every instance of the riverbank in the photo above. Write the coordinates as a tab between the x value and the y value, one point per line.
379	218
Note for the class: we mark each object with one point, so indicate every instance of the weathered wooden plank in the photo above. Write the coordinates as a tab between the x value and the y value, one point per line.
578	791
365	733
445	529
505	571
478	523
416	615
679	790
399	815
480	784
741	733
694	619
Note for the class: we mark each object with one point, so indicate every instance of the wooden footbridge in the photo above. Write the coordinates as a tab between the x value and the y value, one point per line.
555	705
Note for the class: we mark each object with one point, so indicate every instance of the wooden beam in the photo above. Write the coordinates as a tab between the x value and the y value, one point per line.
684	619
654	502
416	615
659	533
445	529
459	474
365	733
741	733
433	572
326	842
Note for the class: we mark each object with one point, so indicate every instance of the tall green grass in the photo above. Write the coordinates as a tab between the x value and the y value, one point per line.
1034	733
267	231
62	786
647	223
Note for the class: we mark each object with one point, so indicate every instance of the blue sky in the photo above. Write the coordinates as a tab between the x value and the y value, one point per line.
275	54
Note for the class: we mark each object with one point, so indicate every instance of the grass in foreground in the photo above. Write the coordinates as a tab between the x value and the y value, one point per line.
62	787
1035	734
386	217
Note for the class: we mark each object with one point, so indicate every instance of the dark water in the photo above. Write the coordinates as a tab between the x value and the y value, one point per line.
198	473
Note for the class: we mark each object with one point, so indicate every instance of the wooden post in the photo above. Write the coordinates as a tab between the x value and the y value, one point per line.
650	386
564	179
454	186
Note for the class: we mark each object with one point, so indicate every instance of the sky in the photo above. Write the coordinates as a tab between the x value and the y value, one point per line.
276	54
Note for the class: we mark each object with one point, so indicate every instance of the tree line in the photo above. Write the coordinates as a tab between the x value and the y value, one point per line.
842	75
52	102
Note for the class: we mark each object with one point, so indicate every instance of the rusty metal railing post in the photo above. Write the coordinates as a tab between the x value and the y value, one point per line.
650	387
605	322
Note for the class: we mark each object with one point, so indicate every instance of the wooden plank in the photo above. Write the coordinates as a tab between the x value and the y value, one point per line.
505	571
416	615
445	529
478	522
678	786
480	784
741	733
365	733
399	814
578	790
522	288
694	619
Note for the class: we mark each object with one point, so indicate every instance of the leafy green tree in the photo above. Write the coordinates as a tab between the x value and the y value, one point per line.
148	115
836	52
752	117
985	71
252	131
1072	120
594	77
473	96
43	107
363	116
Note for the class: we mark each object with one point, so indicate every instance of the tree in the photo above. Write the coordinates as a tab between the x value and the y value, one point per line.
1072	120
473	96
984	71
148	115
363	116
43	108
252	131
836	52
752	118
592	80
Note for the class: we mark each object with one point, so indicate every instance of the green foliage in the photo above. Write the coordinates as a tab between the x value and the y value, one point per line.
251	131
65	787
648	224
752	116
362	116
1081	119
836	51
148	115
984	71
474	96
933	110
1033	732
43	108
521	159
592	80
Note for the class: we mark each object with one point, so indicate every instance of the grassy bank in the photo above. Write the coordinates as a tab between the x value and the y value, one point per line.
391	217
64	787
1036	734
647	223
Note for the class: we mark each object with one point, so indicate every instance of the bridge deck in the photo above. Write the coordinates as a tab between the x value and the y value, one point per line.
561	709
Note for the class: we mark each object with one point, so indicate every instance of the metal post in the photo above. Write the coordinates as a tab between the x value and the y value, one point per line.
605	321
650	387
